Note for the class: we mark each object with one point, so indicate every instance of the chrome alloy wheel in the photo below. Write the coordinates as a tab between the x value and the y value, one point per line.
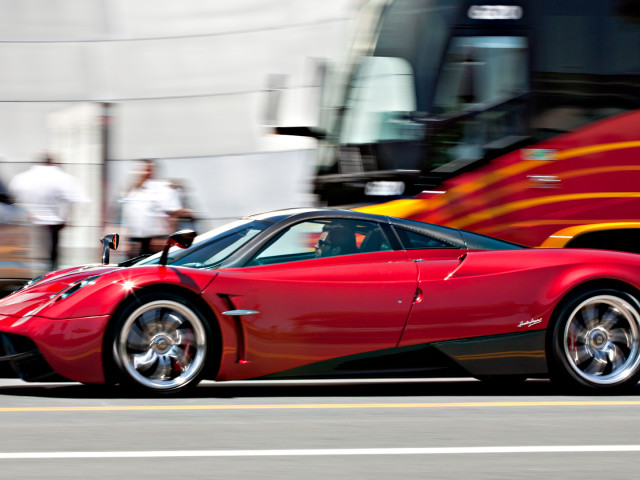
601	340
162	345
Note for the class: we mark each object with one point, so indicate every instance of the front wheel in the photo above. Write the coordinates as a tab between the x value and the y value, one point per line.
596	340
160	344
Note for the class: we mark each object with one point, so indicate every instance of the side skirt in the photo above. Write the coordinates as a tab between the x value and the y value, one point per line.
508	354
409	362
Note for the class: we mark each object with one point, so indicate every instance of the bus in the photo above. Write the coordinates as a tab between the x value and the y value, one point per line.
519	120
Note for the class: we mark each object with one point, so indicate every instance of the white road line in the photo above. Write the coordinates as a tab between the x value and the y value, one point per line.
324	452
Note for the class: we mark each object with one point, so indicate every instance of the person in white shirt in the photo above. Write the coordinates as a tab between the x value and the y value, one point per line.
149	211
47	192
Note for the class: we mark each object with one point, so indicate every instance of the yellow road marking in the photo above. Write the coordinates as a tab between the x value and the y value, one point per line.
323	406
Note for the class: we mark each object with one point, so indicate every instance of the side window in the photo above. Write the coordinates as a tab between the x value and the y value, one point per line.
321	238
416	241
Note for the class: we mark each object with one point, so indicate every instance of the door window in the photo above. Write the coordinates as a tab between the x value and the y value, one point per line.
416	241
322	238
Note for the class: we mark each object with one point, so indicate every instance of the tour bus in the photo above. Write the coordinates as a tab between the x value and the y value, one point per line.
520	120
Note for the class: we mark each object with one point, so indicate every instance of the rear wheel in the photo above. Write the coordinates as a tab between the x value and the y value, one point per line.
596	340
161	344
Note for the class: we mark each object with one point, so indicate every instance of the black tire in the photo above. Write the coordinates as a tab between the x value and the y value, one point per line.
596	341
160	344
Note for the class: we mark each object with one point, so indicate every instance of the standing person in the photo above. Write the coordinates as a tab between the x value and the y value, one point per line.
47	193
149	211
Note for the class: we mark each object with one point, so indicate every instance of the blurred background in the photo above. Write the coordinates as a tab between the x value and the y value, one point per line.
517	121
192	85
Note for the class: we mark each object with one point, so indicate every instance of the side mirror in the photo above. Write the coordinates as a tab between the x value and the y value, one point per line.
182	239
109	242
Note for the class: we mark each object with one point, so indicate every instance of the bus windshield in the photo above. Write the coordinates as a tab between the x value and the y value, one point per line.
421	75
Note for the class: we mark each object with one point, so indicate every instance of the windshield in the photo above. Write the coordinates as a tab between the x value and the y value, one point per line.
211	248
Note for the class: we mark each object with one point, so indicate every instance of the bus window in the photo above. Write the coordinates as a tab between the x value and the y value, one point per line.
480	71
381	97
479	100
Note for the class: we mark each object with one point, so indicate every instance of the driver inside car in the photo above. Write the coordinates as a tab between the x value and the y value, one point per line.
335	240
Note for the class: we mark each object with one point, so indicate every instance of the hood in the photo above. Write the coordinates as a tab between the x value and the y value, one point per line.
41	290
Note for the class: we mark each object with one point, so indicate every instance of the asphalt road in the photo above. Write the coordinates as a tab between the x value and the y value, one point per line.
458	429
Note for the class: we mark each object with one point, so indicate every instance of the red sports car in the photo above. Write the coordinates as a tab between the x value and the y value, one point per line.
322	292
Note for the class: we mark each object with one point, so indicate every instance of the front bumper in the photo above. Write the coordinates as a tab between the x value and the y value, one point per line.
20	358
42	349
